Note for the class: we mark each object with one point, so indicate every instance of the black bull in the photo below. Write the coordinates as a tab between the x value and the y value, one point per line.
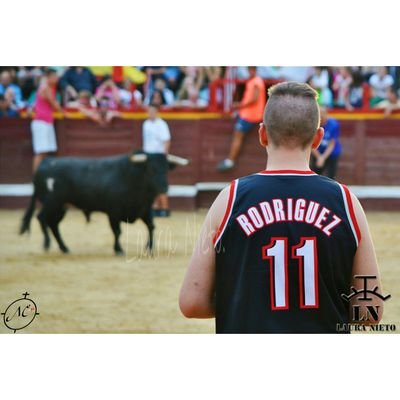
123	187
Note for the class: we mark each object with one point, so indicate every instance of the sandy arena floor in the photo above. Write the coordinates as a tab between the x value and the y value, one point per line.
91	290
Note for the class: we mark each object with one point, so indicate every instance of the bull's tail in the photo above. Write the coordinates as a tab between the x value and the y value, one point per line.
26	220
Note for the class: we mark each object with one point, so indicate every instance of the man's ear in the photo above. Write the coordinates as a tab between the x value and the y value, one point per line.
262	135
317	138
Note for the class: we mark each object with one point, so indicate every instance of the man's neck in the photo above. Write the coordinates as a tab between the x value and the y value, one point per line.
284	159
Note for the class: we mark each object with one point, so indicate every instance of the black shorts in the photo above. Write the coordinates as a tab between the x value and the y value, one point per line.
160	172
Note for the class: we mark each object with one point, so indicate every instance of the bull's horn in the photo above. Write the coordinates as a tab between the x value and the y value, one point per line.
138	158
177	160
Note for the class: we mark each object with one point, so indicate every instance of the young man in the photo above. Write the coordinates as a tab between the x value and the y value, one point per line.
157	140
325	158
251	110
43	133
280	247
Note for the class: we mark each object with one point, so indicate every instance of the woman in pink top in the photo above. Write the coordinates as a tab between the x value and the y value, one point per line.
43	133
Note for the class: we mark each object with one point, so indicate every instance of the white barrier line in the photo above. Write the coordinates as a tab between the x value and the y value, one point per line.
362	192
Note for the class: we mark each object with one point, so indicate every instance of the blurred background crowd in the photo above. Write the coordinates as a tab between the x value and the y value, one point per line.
212	88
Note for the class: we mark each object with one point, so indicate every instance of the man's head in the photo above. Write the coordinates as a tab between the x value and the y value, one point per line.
252	71
159	84
382	72
5	78
52	77
152	111
291	117
84	97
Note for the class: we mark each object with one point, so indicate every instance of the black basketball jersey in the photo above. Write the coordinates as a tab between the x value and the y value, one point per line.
284	254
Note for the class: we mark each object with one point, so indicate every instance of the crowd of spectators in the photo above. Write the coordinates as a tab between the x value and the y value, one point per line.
93	91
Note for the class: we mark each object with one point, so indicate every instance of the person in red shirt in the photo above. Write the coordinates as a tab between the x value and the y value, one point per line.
251	110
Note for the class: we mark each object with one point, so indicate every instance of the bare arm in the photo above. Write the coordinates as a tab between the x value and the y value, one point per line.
365	263
197	294
329	149
167	145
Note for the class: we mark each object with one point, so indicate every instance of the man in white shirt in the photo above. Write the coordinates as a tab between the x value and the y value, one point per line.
157	140
380	83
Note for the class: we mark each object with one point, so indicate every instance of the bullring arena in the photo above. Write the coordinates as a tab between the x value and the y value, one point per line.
92	290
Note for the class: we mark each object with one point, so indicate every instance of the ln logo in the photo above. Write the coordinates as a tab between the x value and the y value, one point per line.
20	313
371	310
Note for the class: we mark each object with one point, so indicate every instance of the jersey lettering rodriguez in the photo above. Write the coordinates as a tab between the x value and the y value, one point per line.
284	254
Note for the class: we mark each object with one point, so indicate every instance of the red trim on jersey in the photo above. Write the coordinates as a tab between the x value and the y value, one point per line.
287	171
271	265
227	212
352	213
301	272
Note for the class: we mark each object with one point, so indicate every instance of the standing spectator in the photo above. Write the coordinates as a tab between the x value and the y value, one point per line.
43	133
325	158
76	79
320	81
5	109
14	90
251	110
157	140
341	86
380	83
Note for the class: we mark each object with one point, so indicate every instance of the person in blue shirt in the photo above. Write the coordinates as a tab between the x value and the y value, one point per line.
5	109
325	159
6	85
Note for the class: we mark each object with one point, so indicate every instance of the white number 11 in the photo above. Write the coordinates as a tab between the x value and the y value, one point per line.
276	252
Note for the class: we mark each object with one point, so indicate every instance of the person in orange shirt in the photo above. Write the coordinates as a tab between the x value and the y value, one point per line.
251	110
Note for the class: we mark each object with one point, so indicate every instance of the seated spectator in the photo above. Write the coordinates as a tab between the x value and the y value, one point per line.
168	97
102	114
76	79
208	75
108	89
320	81
341	86
85	100
5	109
173	77
158	99
380	83
356	94
392	102
129	95
28	79
14	91
188	93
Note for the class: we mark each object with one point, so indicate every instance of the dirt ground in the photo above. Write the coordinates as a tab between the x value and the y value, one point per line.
91	290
